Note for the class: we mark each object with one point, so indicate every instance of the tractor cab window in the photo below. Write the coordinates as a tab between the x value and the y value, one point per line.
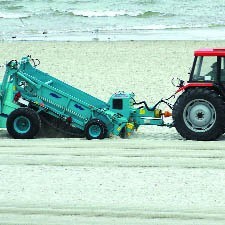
205	69
222	71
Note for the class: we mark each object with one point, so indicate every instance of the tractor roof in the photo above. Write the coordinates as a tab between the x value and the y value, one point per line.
210	52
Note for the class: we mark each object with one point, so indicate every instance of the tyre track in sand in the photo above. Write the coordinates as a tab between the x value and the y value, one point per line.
112	181
113	153
103	215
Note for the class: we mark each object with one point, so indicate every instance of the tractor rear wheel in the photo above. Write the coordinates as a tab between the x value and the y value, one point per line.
199	114
23	123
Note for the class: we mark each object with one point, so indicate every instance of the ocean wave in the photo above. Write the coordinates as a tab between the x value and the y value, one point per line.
6	2
215	25
159	27
109	13
79	1
173	27
149	14
14	15
14	7
156	27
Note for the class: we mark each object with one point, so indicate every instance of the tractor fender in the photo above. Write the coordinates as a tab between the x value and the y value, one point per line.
193	85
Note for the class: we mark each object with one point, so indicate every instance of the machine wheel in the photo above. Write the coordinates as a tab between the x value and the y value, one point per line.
23	123
95	129
199	114
123	133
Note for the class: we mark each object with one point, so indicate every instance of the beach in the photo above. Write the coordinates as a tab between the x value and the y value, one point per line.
153	177
143	67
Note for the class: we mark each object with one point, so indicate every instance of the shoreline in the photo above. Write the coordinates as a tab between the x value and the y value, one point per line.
172	34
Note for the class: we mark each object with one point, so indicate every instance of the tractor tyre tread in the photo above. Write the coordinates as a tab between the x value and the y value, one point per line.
199	93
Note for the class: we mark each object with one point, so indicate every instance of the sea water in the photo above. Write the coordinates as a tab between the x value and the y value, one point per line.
112	19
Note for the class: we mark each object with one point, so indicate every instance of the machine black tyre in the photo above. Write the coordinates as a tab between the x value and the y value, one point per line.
199	114
123	133
23	123
95	129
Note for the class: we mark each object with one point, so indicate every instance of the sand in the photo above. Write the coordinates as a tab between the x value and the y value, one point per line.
154	177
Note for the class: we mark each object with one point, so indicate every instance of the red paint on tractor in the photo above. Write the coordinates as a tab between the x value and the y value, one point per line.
210	52
191	85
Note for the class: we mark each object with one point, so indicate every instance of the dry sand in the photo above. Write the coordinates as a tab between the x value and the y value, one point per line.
155	177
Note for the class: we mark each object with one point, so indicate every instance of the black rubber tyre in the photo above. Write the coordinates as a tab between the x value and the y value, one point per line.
199	114
95	129
123	133
23	123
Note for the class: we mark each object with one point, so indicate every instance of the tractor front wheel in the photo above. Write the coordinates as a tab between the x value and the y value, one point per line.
199	114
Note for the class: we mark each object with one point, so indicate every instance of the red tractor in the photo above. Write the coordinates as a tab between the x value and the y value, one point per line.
199	112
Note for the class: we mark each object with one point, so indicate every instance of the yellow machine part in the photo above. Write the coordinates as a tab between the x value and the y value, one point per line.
157	113
130	126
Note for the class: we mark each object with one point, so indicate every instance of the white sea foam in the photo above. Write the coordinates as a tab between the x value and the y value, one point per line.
164	27
104	13
9	15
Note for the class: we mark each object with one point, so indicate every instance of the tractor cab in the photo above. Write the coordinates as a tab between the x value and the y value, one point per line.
208	66
199	112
